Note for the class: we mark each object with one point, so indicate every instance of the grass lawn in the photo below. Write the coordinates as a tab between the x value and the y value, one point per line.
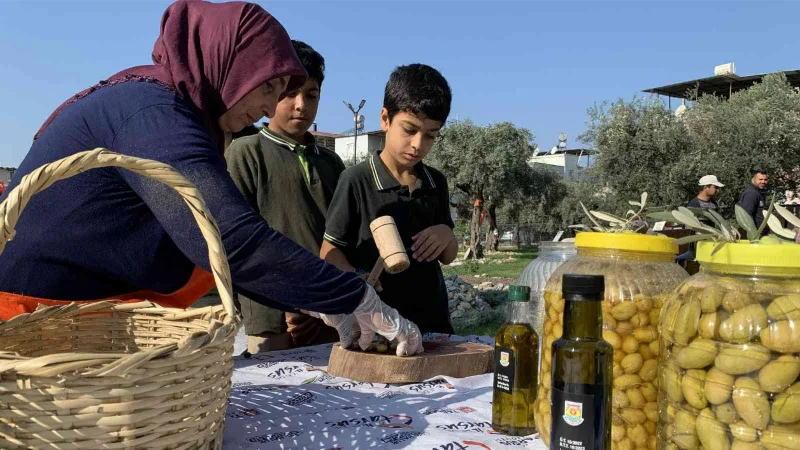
495	266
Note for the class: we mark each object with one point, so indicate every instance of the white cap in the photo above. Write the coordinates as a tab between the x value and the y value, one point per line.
710	179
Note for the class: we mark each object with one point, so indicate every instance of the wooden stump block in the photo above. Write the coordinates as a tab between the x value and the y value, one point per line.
453	359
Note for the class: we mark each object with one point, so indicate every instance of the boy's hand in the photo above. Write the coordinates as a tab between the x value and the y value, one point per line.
431	242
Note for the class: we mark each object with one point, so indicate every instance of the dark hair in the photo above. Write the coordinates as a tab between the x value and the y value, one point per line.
755	172
420	90
311	60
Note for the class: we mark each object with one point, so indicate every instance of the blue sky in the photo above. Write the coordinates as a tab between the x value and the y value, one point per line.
537	64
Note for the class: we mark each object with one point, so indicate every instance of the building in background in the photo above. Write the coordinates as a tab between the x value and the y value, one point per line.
367	142
325	139
6	173
569	163
724	83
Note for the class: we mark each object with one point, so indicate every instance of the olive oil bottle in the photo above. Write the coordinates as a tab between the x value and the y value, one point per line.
582	370
516	353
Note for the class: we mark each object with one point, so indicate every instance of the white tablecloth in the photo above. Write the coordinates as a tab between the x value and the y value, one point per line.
285	400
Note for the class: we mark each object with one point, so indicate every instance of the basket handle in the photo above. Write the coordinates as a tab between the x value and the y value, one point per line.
43	177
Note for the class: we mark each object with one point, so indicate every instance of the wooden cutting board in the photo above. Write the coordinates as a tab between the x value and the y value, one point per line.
453	359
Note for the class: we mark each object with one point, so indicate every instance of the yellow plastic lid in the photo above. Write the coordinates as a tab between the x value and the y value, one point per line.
629	241
747	254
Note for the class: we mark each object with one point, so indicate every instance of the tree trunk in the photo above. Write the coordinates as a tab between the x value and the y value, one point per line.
476	250
517	241
492	234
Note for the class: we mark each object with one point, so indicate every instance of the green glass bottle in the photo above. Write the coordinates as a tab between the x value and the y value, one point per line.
582	370
516	352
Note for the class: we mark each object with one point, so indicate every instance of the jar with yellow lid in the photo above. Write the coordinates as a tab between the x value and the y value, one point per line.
729	367
639	272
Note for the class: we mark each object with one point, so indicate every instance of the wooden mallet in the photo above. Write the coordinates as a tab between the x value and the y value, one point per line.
393	257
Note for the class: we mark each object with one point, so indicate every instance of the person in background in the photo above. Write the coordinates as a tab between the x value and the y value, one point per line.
111	234
396	182
709	188
289	180
754	198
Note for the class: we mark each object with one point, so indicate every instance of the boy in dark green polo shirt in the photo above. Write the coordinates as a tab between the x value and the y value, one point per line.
289	180
396	182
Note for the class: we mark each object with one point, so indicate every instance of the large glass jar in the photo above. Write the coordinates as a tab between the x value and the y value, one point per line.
639	272
551	255
729	367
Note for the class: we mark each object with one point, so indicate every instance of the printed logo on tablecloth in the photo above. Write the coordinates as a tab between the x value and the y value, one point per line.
398	438
573	413
247	390
240	384
300	399
384	421
467	427
463	445
347	385
389	394
273	437
516	441
456	410
287	371
430	386
243	413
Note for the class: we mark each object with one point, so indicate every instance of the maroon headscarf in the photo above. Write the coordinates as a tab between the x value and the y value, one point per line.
213	54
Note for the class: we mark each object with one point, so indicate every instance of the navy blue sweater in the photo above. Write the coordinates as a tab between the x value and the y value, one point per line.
109	232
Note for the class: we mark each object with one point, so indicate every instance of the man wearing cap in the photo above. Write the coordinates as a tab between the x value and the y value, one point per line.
709	188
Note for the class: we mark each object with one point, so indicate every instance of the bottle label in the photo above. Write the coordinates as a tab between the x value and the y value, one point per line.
573	421
504	368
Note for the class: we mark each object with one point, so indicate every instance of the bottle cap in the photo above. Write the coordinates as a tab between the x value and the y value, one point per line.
517	293
592	286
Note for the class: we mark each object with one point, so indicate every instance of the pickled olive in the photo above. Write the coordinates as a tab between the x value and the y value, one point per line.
697	355
786	406
713	434
751	402
785	307
782	336
744	325
717	386
739	360
779	374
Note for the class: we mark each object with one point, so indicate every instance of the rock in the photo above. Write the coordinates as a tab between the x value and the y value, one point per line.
457	314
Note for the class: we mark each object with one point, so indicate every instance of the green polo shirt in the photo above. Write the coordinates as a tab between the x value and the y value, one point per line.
368	191
291	186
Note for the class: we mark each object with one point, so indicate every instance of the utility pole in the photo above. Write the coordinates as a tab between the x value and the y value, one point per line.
355	126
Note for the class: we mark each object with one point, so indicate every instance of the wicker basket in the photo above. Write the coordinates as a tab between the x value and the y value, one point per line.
111	375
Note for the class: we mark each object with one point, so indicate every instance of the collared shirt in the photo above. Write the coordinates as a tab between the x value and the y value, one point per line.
289	184
368	191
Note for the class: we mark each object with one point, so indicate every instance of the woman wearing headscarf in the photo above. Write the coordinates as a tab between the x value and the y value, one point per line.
110	234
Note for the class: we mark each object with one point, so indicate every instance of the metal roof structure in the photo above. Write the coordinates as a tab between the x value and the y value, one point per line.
722	85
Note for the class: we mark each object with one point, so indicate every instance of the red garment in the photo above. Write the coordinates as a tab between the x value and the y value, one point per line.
213	54
199	284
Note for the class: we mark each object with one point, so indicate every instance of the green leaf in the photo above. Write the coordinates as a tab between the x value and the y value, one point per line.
309	380
746	222
718	247
693	238
684	216
662	216
608	217
644	198
766	217
596	223
726	231
786	214
776	227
